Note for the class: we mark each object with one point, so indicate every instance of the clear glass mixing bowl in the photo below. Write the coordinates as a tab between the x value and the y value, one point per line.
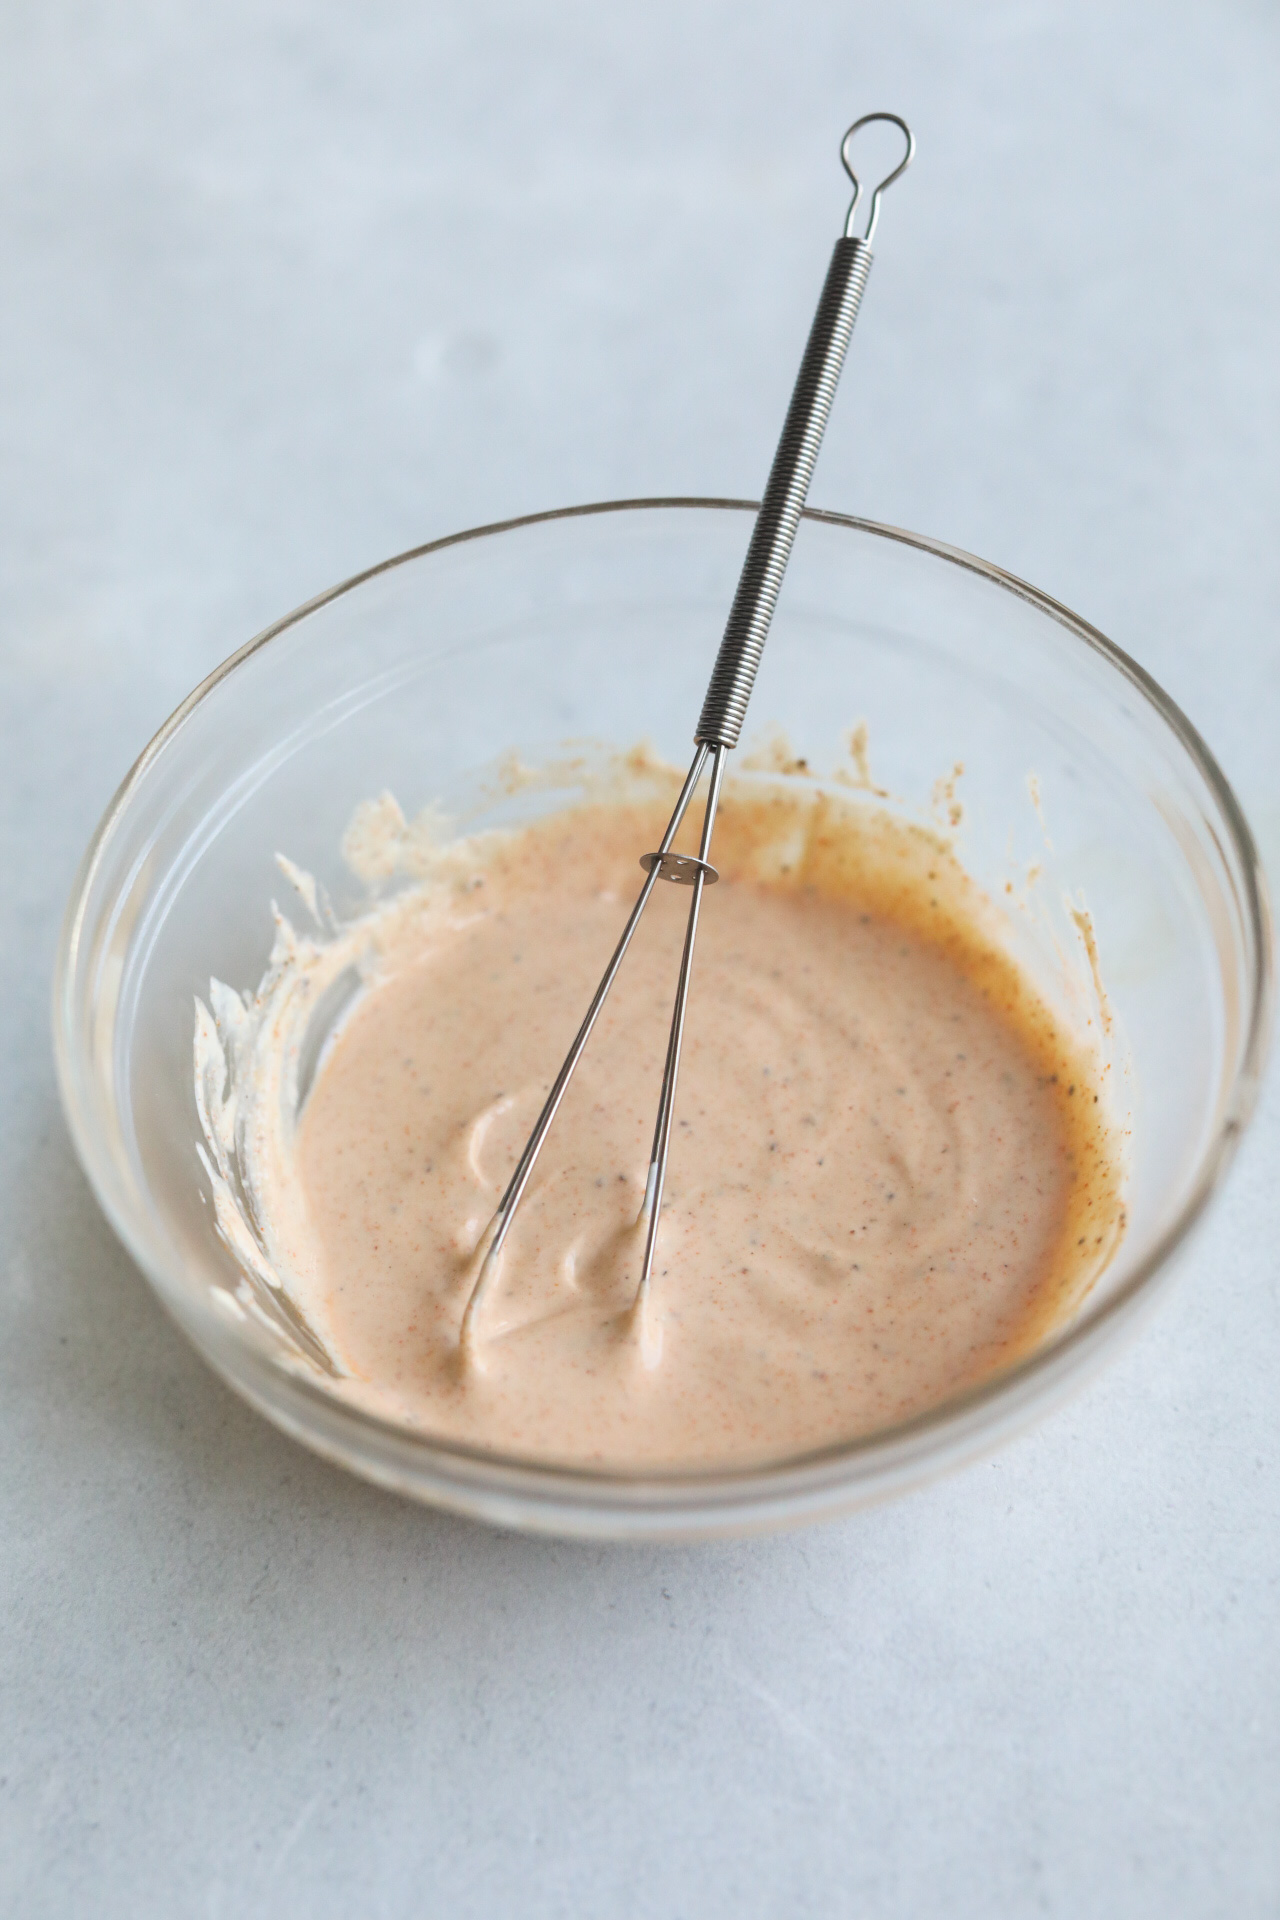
602	621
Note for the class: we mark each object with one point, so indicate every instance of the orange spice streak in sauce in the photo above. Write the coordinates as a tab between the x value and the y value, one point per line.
891	1174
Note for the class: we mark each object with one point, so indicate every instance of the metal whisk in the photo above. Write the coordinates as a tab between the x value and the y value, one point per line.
725	706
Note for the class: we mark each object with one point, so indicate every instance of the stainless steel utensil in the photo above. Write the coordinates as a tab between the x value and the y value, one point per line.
725	706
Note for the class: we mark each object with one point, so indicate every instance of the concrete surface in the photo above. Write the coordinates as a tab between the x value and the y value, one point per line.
290	287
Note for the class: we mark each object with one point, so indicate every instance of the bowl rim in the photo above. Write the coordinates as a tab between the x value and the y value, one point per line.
562	1497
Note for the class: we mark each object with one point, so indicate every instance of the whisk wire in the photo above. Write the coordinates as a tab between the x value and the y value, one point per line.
657	1180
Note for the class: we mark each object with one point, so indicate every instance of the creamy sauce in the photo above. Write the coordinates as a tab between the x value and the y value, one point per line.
893	1172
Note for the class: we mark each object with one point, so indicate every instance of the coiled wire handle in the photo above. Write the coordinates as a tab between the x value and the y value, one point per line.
751	614
747	628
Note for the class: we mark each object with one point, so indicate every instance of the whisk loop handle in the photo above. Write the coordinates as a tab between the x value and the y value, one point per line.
747	629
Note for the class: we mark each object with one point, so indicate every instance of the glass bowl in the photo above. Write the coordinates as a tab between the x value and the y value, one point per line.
602	622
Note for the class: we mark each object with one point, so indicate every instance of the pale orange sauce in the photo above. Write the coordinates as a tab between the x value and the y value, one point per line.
891	1174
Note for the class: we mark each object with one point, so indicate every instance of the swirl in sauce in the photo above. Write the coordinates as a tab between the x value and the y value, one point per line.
893	1174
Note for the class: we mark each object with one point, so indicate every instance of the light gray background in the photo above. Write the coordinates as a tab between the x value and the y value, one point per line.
288	286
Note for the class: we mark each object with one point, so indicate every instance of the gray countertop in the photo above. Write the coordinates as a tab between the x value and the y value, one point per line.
288	288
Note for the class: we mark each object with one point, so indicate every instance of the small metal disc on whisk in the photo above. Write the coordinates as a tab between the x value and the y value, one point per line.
680	868
725	706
